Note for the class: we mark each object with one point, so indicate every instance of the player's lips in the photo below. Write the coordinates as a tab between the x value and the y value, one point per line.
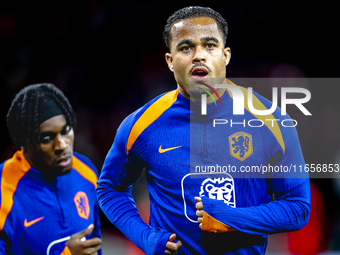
64	161
200	73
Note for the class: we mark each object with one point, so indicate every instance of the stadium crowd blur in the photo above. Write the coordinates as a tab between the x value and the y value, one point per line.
108	59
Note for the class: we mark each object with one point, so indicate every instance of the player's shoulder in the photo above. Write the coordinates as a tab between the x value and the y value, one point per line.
16	164
150	109
86	161
275	110
277	125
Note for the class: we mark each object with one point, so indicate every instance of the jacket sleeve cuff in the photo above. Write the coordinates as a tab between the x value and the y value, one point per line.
66	251
211	224
157	240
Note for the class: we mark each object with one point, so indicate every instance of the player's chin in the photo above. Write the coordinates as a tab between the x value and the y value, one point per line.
66	169
60	170
195	92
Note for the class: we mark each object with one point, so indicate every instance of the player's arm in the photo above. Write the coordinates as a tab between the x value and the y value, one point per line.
119	172
288	212
3	236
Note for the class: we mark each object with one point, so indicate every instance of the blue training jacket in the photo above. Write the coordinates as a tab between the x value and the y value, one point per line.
186	155
38	216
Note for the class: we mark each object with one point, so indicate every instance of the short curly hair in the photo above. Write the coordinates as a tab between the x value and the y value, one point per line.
22	117
193	12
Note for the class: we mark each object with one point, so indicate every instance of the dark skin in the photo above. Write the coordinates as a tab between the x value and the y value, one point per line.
196	43
90	246
172	247
51	153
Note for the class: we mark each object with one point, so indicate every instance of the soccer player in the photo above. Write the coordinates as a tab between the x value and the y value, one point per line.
48	197
193	212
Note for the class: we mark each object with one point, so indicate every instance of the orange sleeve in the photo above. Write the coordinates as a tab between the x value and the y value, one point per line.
150	115
210	224
13	170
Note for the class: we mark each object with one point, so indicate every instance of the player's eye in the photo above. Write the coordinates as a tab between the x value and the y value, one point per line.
185	49
210	46
66	130
46	137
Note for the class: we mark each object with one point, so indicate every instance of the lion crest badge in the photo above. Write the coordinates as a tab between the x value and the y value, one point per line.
82	204
222	188
241	145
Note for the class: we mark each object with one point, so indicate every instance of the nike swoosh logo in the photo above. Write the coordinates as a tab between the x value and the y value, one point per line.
28	224
160	150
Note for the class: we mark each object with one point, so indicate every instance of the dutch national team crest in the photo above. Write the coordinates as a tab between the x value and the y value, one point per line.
82	204
241	145
220	189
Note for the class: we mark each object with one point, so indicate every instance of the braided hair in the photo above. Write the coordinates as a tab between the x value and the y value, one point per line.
22	116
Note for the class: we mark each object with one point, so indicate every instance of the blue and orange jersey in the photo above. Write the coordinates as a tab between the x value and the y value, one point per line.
186	156
38	216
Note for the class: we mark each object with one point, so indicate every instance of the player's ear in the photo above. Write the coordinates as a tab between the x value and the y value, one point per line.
168	58
227	55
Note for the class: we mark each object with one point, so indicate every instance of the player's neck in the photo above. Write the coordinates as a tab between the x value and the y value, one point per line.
185	94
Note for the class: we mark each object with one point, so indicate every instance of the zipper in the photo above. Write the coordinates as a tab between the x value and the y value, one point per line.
205	142
59	209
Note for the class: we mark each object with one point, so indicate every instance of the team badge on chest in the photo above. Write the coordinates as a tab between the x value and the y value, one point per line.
220	189
82	204
241	145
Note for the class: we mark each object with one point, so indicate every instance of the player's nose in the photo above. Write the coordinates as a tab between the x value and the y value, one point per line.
60	144
199	55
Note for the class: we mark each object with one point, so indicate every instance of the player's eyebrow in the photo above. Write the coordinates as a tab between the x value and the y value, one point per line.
203	39
184	41
209	38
